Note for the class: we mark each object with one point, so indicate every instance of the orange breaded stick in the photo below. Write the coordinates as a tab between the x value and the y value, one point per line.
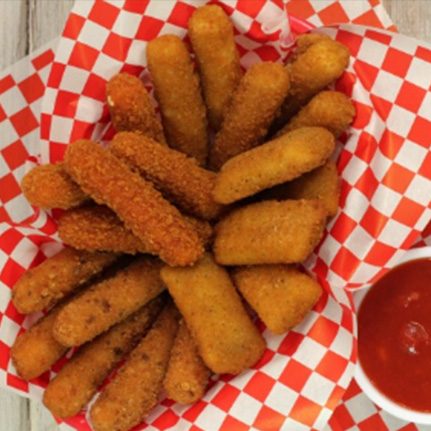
135	390
282	159
36	350
45	285
178	92
280	294
177	176
131	108
77	382
254	105
212	38
226	338
136	202
270	232
187	376
49	186
108	302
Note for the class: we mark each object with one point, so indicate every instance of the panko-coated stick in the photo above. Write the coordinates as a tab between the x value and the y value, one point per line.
135	390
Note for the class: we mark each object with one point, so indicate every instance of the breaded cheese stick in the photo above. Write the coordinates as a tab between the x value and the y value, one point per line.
212	38
45	285
97	228
226	338
280	160
177	176
135	390
177	90
131	108
330	109
254	105
108	302
49	186
78	381
136	202
36	350
280	294
270	232
187	376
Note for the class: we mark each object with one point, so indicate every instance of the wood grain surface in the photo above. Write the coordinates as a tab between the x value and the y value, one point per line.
26	25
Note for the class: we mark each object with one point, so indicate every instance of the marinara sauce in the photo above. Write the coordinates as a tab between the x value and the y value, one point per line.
394	324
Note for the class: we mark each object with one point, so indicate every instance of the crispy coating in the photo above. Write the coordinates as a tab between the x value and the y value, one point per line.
131	108
280	294
79	379
187	376
135	390
177	90
330	109
226	338
36	350
49	186
322	183
254	105
304	41
177	176
45	285
212	38
108	302
280	160
270	232
136	202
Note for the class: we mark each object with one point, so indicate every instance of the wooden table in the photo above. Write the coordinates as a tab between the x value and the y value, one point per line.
25	25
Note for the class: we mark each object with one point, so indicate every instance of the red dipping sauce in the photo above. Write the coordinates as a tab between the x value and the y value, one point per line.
394	325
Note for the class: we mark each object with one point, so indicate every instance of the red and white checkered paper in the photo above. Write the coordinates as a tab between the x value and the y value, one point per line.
303	375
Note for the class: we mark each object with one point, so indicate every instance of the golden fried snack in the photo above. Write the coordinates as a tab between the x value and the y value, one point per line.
178	92
108	302
136	202
79	379
226	338
280	294
97	228
280	160
49	186
212	38
45	285
131	108
330	109
304	41
177	176
323	183
270	232
135	390
254	105
36	350
187	376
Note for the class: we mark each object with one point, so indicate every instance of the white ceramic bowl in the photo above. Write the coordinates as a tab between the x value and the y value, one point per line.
367	386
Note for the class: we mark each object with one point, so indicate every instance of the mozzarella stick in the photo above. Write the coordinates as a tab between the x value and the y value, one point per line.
36	350
45	285
226	338
187	375
270	232
178	93
108	302
212	38
135	389
280	160
136	202
254	105
177	176
131	108
49	186
78	381
280	294
329	109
